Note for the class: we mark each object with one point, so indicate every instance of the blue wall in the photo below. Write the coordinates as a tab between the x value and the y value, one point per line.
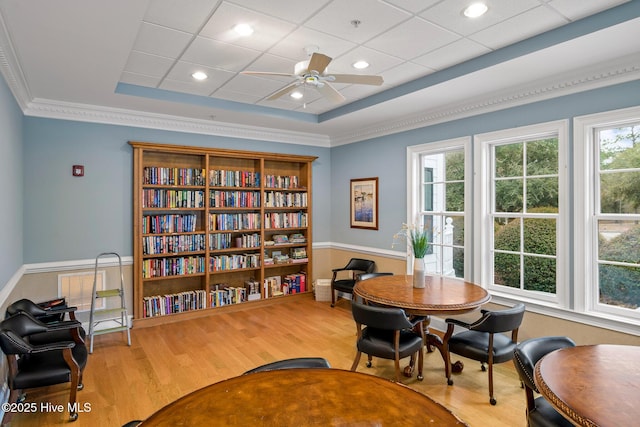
11	169
385	157
70	218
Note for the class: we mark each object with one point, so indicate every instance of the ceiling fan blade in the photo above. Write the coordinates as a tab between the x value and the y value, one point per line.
266	73
318	62
283	91
357	79
330	93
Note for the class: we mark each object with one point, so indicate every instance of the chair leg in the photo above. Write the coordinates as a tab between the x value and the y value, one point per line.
333	297
397	365
420	364
356	361
13	398
369	360
492	400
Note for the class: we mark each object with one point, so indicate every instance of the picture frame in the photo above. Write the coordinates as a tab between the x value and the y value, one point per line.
364	203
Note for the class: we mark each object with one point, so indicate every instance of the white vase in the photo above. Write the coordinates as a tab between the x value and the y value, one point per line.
418	273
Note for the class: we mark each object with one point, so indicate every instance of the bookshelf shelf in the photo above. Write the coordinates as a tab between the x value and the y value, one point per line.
204	221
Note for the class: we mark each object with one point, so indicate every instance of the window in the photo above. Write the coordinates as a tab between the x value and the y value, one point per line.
436	183
522	211
607	158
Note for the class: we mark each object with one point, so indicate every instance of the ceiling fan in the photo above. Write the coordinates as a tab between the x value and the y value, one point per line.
313	72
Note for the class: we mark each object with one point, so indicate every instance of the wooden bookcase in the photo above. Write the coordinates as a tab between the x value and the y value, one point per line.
215	227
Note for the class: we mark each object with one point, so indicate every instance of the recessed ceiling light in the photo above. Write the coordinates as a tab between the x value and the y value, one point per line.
360	65
296	95
243	29
475	10
199	75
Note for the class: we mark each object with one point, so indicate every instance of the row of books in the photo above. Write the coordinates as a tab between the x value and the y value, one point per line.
225	295
276	199
222	294
234	262
152	245
156	224
176	266
290	284
234	199
277	181
160	305
227	241
231	178
173	176
285	219
234	221
161	198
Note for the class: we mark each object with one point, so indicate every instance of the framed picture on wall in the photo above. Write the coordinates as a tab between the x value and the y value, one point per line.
364	203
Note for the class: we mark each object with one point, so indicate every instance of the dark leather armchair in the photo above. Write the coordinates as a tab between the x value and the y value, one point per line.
299	362
388	333
353	268
48	316
37	311
484	340
32	366
540	413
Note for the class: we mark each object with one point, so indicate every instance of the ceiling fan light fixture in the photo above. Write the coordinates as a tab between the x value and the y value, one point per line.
199	75
360	65
296	95
243	29
475	10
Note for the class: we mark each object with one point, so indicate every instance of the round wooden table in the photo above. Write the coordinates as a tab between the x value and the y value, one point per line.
304	397
441	295
595	385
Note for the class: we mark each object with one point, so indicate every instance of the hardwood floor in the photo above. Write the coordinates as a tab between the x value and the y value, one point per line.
165	362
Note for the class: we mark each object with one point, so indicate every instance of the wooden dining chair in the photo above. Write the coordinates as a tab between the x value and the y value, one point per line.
386	333
295	363
354	267
484	340
540	413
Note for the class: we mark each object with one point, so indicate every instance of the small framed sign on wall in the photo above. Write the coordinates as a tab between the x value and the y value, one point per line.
364	203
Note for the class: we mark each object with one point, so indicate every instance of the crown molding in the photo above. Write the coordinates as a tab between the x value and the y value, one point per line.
95	114
621	71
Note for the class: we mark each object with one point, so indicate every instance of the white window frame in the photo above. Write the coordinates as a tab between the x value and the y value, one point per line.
585	222
414	193
483	227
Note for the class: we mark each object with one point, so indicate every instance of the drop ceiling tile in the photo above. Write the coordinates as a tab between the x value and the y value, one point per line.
150	65
181	15
575	10
292	11
448	14
253	85
230	95
413	38
455	53
216	54
161	41
273	64
413	6
267	30
375	18
294	45
182	71
378	61
520	27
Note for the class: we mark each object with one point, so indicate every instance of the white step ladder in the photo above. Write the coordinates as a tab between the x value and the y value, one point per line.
117	315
